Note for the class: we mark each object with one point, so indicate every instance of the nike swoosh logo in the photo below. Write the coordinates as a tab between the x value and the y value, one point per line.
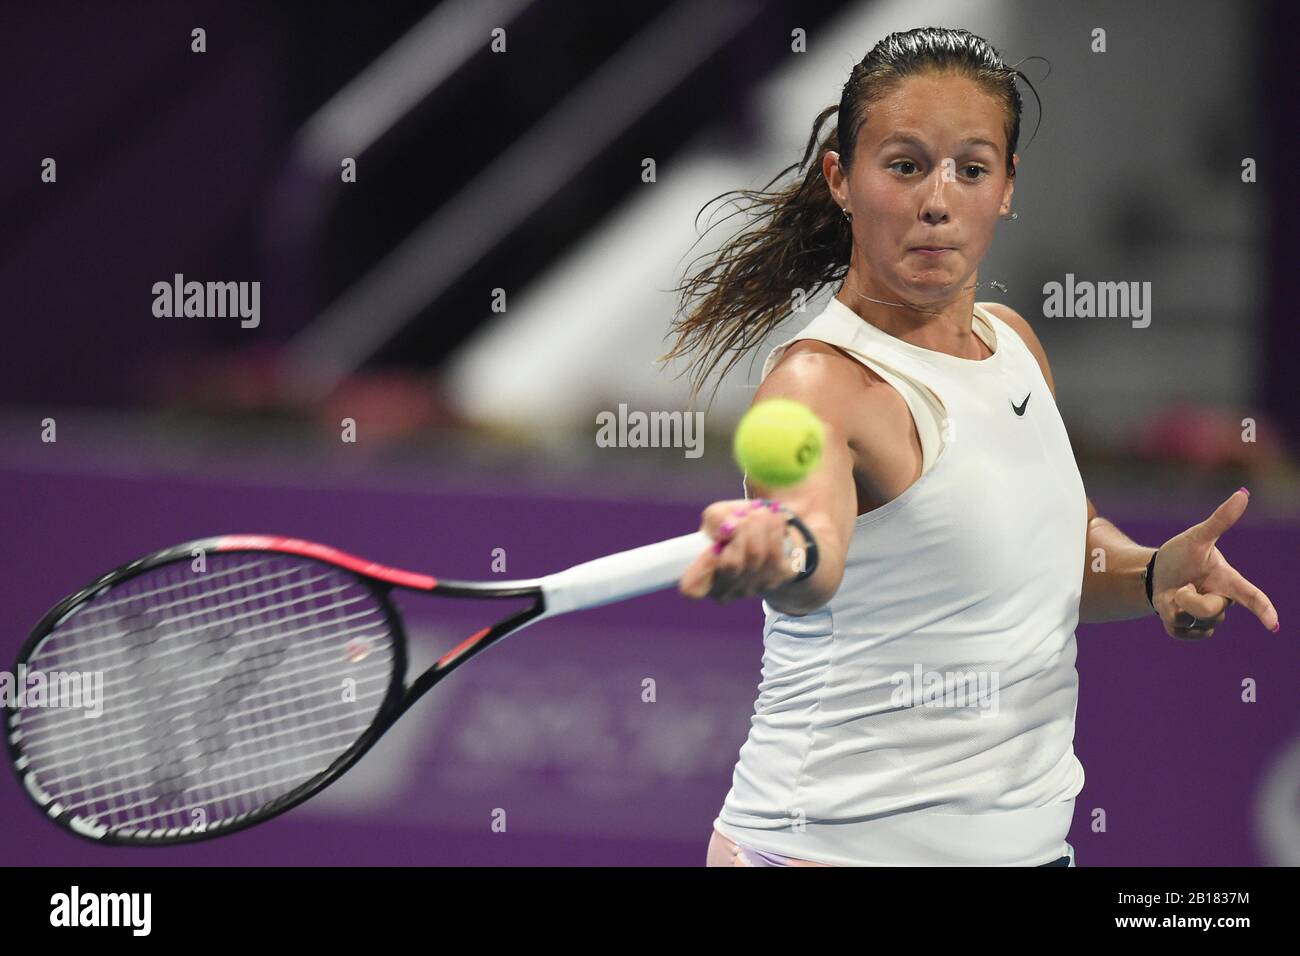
1020	409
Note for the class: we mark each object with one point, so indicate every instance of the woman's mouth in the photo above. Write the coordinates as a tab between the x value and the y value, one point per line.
931	250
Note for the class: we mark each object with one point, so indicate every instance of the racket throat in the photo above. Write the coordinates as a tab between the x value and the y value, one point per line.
475	644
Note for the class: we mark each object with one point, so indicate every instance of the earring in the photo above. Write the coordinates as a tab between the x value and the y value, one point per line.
1014	215
847	215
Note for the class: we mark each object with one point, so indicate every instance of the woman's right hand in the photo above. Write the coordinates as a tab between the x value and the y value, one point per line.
749	554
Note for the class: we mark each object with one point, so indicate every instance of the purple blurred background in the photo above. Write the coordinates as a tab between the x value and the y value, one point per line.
550	725
521	171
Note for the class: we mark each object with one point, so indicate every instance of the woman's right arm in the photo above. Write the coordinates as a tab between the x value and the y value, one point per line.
752	560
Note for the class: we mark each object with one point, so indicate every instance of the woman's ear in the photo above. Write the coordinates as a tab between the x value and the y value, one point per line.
1010	187
833	173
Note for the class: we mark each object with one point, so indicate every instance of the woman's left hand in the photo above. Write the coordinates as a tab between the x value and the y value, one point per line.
1194	584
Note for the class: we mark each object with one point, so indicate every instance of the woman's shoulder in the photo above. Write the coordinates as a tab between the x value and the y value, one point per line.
814	366
839	389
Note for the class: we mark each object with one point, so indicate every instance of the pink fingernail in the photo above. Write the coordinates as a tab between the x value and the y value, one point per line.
727	528
1278	626
1245	489
717	547
776	506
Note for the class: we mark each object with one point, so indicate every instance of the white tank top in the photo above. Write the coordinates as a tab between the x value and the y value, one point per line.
925	715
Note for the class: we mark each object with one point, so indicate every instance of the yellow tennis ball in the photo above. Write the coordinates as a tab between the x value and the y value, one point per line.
779	442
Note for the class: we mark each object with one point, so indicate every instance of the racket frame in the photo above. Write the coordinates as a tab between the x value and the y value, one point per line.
379	580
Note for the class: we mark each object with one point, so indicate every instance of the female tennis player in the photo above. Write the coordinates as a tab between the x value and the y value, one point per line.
918	689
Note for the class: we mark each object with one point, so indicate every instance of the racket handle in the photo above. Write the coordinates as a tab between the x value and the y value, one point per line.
624	575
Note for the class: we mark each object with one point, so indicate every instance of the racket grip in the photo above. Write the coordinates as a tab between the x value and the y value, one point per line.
624	575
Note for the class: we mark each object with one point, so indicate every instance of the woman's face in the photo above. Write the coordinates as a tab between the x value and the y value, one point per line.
929	172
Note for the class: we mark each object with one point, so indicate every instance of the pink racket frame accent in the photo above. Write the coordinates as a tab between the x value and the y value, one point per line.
310	549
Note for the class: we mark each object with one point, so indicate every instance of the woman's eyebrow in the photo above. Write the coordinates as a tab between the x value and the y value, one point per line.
900	136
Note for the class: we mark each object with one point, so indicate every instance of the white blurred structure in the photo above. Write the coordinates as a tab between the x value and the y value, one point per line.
585	337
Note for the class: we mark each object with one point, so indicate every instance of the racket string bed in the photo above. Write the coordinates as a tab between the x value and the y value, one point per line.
126	685
222	691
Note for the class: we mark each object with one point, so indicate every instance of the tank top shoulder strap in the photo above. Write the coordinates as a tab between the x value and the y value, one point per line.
838	325
988	327
1015	351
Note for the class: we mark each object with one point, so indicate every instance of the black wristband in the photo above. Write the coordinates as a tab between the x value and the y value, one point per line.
1148	575
809	549
810	543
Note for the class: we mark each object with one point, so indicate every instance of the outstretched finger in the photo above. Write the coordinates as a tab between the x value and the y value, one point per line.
1252	598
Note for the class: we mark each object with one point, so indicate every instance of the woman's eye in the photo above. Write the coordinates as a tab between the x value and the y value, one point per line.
972	171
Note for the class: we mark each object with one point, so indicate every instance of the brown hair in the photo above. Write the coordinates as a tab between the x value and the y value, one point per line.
802	241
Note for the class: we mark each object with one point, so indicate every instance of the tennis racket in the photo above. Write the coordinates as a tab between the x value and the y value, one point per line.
241	675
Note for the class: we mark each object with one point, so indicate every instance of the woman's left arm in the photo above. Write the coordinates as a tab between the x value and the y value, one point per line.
1114	573
1193	584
